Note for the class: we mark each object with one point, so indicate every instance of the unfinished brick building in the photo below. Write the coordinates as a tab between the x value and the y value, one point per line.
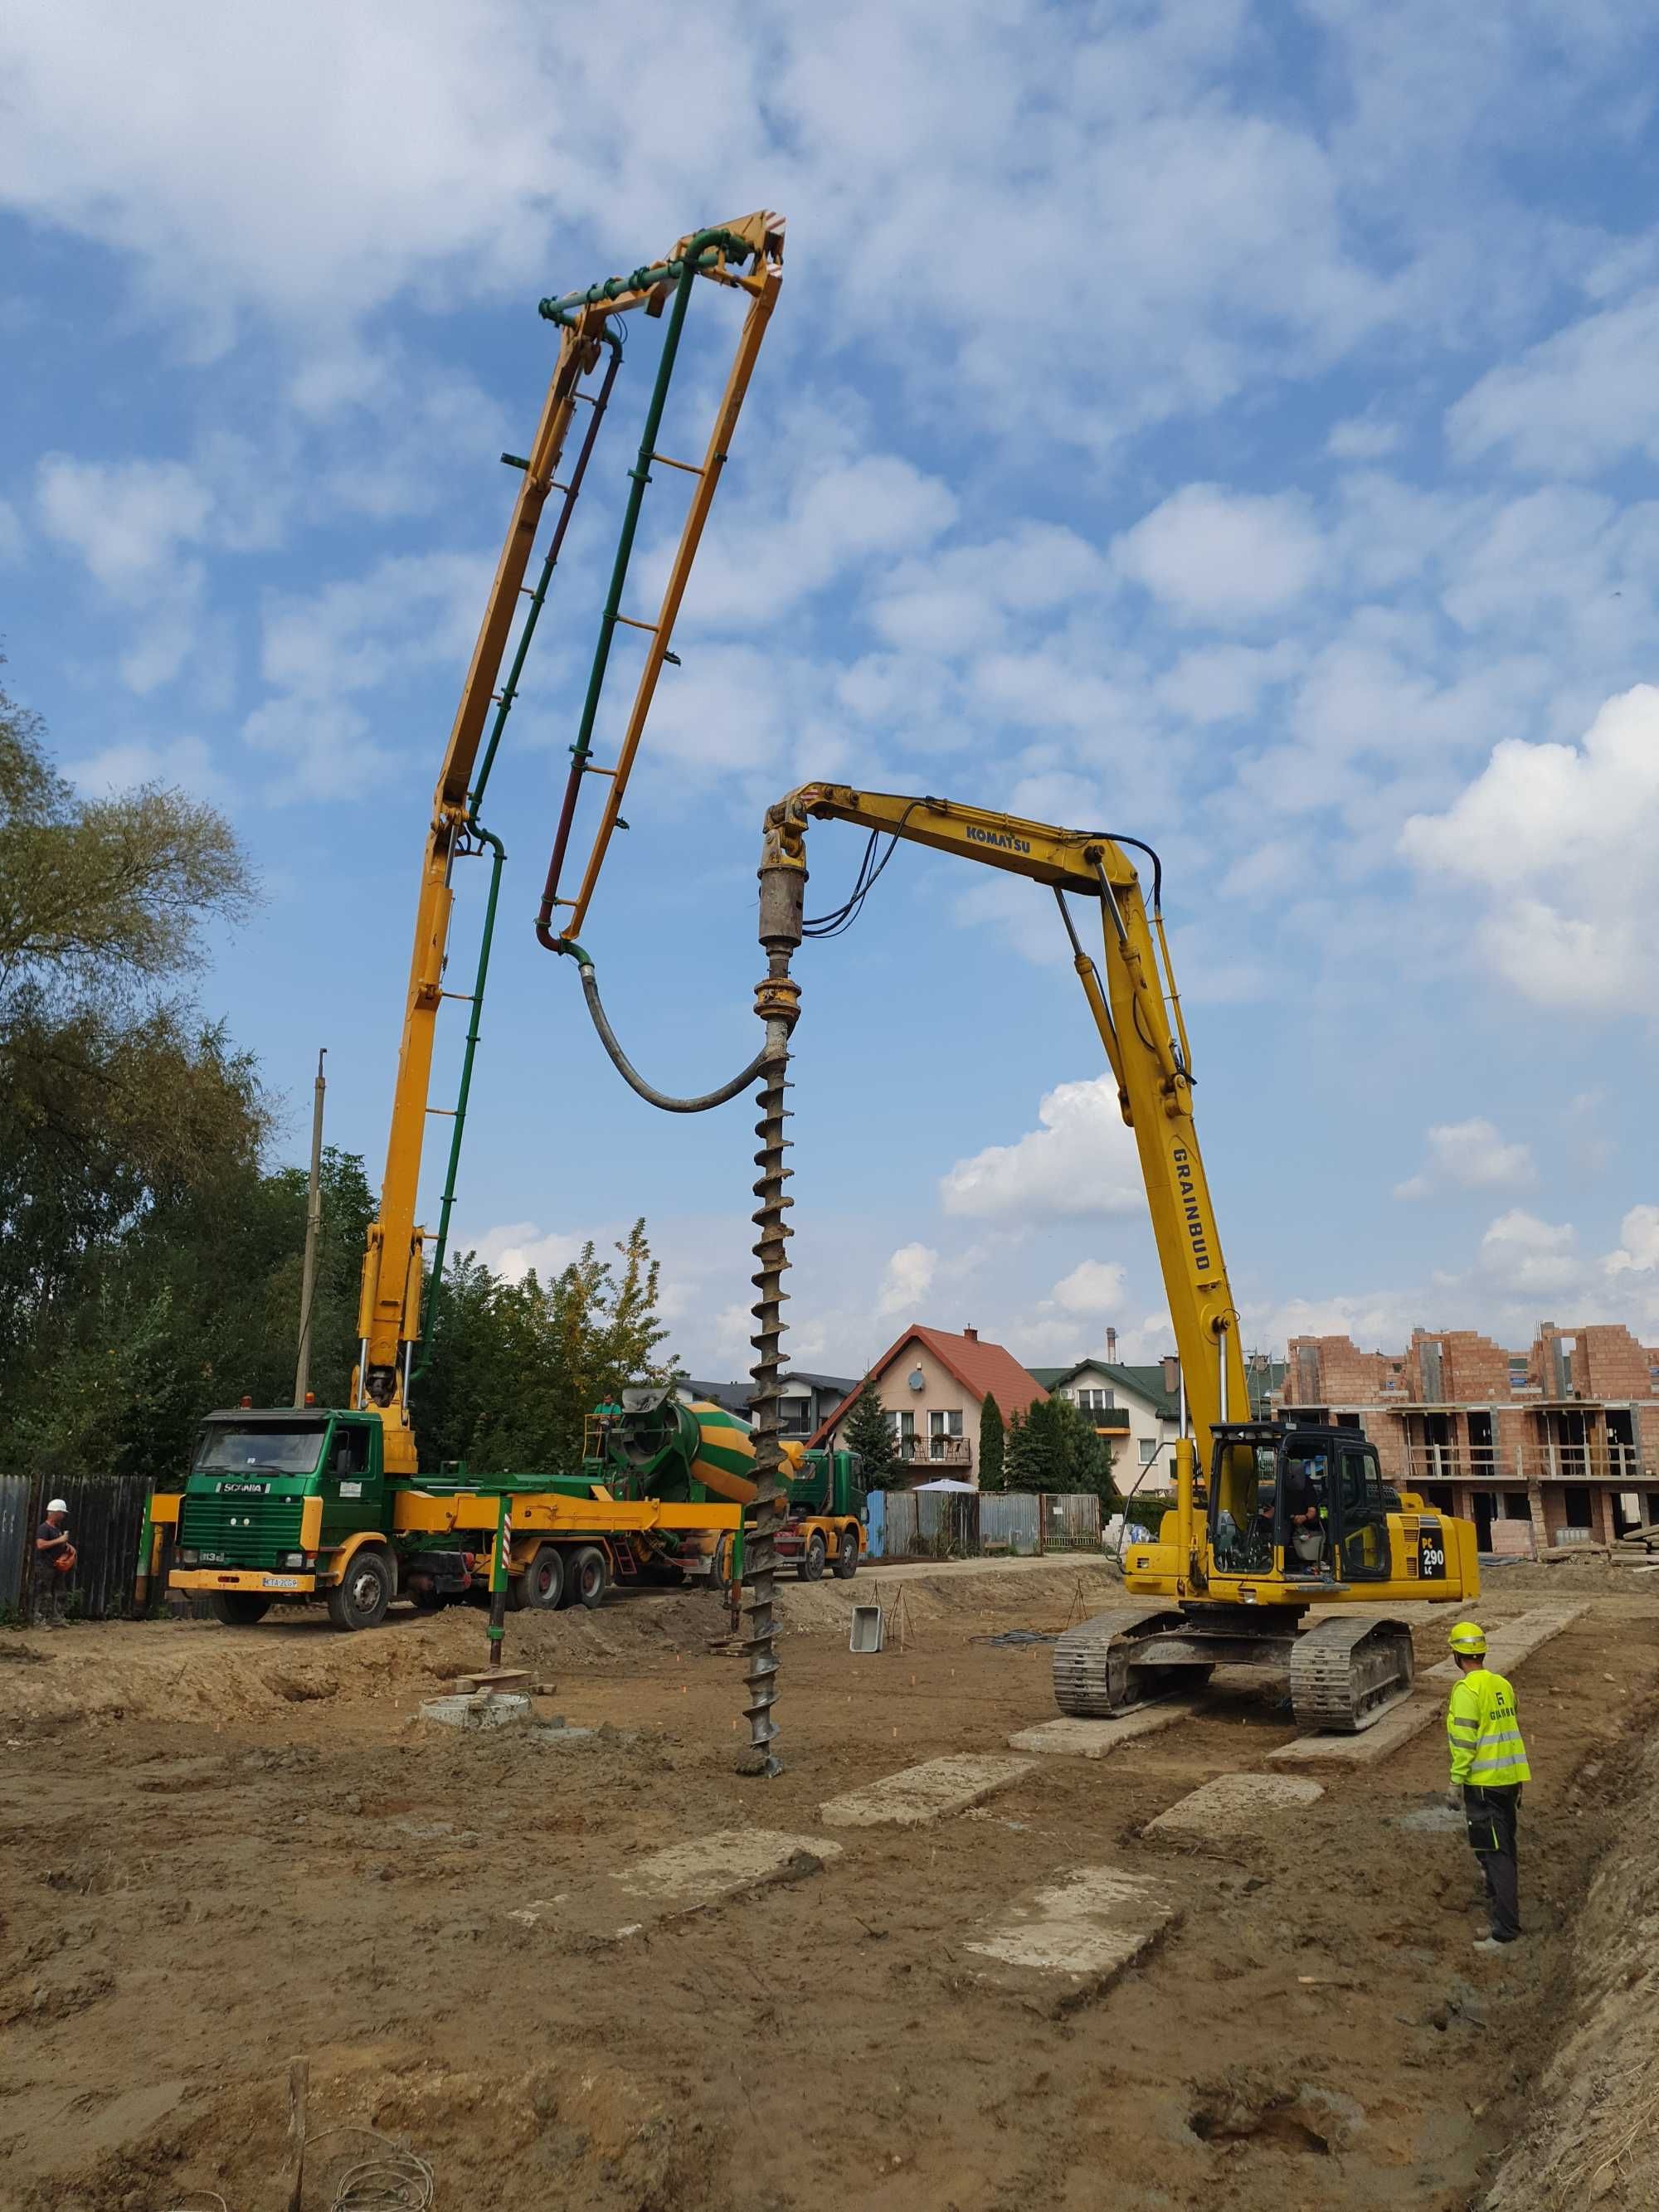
1548	1446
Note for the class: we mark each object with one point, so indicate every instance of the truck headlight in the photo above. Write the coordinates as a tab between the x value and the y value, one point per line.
294	1558
187	1558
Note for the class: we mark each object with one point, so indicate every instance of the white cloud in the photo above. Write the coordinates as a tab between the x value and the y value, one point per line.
1470	1156
1573	404
906	1279
1362	438
1559	839
1212	555
1526	1253
1094	1286
184	763
125	519
1081	1161
515	1247
1638	1243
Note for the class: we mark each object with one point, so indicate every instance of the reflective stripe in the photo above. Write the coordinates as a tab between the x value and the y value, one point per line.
1499	1765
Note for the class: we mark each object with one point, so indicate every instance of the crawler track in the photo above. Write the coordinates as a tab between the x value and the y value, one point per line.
1347	1673
1093	1676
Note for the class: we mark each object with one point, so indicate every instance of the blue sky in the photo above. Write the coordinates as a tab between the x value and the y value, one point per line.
1231	425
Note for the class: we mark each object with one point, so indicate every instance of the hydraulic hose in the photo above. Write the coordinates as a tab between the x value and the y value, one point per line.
631	1076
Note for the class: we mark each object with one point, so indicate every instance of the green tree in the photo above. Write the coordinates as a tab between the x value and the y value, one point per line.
869	1432
992	1443
516	1367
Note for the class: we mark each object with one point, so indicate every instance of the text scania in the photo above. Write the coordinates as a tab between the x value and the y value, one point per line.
1187	1185
998	838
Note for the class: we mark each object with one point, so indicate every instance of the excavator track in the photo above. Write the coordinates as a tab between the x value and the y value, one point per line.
1093	1674
1345	1675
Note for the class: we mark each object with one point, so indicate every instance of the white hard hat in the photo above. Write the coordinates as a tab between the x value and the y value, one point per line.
58	1505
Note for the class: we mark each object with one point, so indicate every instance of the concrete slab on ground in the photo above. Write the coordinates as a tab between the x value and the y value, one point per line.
1065	1943
1370	1745
1235	1805
1515	1640
927	1792
671	1885
1081	1739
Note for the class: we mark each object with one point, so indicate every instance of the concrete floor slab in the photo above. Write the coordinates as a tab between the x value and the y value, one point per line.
1371	1744
1094	1739
1066	1942
1235	1805
672	1884
927	1792
1515	1640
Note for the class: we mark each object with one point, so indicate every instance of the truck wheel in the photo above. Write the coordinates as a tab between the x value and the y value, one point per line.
811	1569
239	1609
589	1576
541	1586
360	1598
719	1567
846	1559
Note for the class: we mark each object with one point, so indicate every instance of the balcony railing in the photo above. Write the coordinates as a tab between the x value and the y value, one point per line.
1489	1468
935	1452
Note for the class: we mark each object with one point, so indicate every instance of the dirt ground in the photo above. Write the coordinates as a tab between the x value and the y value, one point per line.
226	1848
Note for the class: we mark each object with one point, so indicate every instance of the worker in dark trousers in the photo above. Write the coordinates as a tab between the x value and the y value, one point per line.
54	1556
1488	1771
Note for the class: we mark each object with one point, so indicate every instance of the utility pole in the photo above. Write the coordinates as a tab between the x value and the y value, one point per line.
313	1225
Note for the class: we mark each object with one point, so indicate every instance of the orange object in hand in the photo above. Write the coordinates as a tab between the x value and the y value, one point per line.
65	1559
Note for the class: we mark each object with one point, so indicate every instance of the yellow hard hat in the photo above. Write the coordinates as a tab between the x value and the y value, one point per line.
1469	1637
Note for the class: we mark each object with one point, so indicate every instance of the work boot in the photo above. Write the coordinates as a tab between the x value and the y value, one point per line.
1495	1943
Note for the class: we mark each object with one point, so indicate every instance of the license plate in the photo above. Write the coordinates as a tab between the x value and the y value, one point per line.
280	1581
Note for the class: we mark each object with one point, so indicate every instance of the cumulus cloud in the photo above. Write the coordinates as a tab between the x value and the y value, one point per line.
514	1247
1081	1160
1094	1286
1526	1253
1470	1156
1217	556
1574	403
906	1279
182	763
1637	1251
1557	838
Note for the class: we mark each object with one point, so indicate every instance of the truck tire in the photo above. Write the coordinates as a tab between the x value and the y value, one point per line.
360	1598
719	1567
239	1609
811	1569
540	1588
589	1576
847	1558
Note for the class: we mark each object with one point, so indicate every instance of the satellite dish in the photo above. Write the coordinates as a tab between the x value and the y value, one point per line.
916	1379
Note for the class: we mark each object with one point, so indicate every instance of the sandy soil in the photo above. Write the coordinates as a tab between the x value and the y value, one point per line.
226	1848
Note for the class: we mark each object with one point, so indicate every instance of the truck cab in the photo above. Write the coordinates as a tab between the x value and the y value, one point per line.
278	1502
825	1515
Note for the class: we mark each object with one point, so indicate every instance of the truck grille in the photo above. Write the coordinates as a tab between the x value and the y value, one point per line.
240	1531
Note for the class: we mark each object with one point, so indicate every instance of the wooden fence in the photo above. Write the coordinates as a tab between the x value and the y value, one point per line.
105	1515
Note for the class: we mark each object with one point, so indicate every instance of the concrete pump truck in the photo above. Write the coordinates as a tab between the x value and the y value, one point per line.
331	1505
1271	1519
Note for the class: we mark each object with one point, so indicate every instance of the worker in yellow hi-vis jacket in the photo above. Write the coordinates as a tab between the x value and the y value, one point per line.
1488	1770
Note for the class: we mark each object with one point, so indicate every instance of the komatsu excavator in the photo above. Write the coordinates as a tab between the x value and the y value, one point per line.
1272	1520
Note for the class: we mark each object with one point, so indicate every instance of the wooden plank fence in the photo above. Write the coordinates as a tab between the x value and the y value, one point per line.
105	1515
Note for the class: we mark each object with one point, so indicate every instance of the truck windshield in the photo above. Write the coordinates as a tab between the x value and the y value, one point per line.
231	1448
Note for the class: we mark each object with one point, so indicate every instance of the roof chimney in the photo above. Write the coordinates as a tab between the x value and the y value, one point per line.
1111	1345
1171	1373
972	1335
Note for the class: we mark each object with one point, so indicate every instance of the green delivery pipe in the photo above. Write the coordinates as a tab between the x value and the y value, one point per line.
498	855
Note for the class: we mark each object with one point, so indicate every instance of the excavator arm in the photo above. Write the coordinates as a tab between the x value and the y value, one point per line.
1131	994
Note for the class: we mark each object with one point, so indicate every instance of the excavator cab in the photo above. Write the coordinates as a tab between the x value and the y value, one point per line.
1306	1506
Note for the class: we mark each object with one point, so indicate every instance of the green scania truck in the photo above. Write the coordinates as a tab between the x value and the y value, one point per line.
286	1506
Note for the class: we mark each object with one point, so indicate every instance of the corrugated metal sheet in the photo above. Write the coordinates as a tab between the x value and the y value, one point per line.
1008	1521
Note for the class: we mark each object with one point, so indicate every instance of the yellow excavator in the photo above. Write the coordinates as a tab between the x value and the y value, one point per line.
1271	1520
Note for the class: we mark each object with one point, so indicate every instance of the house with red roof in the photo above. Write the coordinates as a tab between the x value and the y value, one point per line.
932	1383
